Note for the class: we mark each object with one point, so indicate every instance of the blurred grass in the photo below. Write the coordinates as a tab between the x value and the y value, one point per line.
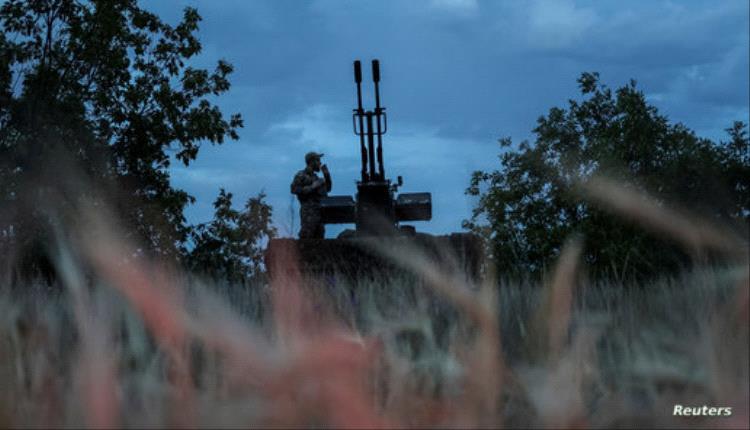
651	347
136	344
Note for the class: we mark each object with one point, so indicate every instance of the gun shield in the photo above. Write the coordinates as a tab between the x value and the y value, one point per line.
338	210
414	207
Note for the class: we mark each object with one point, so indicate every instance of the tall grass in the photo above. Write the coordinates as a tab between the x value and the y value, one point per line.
127	342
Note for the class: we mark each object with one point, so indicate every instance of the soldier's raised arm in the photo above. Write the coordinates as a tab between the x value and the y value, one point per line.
327	177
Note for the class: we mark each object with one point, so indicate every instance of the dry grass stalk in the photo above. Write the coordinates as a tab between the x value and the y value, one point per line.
694	234
480	404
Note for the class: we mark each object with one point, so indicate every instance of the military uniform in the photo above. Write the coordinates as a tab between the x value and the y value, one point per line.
309	188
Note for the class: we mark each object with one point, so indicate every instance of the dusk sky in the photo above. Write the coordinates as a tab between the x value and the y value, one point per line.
456	76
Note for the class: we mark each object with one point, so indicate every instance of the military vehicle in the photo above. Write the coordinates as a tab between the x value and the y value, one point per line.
377	212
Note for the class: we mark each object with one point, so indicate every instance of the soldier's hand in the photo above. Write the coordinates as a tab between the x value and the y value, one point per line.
324	168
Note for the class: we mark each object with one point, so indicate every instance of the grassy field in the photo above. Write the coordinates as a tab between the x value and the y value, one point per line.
121	341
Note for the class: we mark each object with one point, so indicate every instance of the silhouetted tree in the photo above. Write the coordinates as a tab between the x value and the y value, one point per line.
528	207
94	96
230	247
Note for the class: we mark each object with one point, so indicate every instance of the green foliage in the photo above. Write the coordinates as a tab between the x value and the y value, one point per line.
529	206
230	246
94	97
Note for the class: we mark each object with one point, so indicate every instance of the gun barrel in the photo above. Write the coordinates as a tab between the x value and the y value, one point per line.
376	80
370	144
357	71
378	117
360	114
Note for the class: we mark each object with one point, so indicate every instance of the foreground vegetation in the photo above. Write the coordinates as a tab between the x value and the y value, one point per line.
127	342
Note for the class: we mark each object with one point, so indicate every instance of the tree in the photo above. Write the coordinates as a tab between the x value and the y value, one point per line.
103	85
229	247
528	207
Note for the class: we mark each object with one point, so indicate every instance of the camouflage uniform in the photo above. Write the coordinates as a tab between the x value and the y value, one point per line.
309	188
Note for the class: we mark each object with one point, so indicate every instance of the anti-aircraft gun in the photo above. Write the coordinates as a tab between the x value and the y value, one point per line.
376	211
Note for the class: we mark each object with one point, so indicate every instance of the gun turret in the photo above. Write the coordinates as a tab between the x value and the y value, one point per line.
376	210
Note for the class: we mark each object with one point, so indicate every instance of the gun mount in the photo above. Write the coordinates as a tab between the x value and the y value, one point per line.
376	209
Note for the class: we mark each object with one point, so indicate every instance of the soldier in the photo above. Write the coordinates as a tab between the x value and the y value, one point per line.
309	188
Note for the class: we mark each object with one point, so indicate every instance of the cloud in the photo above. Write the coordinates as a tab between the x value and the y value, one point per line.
214	177
717	83
666	34
555	24
463	8
320	127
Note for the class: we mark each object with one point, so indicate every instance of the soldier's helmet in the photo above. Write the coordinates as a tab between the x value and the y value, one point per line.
312	156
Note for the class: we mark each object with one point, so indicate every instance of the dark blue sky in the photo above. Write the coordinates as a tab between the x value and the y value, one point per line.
456	76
